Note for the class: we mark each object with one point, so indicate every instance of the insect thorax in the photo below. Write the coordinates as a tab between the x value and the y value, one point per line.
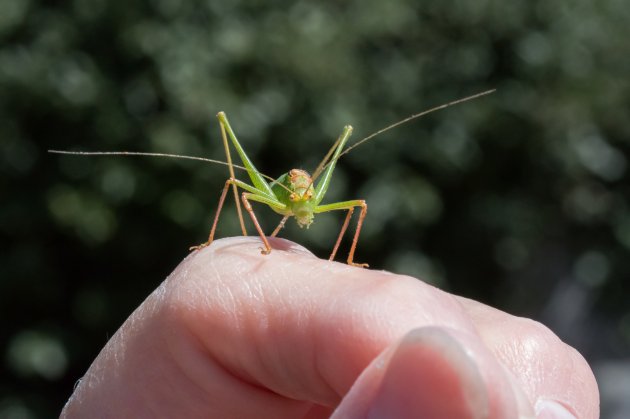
296	190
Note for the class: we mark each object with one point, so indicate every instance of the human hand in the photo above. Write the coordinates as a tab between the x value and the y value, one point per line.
236	334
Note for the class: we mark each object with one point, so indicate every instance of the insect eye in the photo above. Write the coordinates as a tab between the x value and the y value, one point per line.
293	197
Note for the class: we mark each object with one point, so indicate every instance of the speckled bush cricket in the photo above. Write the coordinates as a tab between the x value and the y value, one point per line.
295	193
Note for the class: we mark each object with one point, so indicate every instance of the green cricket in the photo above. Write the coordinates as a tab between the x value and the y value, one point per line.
295	193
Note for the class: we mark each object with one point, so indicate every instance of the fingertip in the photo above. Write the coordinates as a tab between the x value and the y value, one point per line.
294	308
428	374
249	248
435	372
231	262
551	409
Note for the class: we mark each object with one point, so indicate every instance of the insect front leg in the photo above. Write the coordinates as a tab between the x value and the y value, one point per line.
253	192
272	202
249	209
349	206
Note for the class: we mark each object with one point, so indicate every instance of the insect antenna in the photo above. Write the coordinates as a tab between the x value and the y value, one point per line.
325	162
173	156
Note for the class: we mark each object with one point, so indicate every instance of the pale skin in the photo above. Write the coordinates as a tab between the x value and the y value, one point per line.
236	334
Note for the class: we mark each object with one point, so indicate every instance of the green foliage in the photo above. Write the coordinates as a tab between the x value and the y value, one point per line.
520	199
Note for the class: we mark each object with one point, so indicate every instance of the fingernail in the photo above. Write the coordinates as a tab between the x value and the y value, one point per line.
430	375
549	409
523	405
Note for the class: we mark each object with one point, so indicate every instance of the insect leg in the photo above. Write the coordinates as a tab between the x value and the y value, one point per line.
242	185
347	205
216	216
280	226
356	237
249	209
259	196
234	188
341	233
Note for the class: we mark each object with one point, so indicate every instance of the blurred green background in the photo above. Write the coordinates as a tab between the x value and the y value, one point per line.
520	199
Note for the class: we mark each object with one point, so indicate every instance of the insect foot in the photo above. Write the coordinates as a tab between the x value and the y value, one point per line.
359	265
199	246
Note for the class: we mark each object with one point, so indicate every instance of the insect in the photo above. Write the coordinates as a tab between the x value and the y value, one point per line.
295	193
